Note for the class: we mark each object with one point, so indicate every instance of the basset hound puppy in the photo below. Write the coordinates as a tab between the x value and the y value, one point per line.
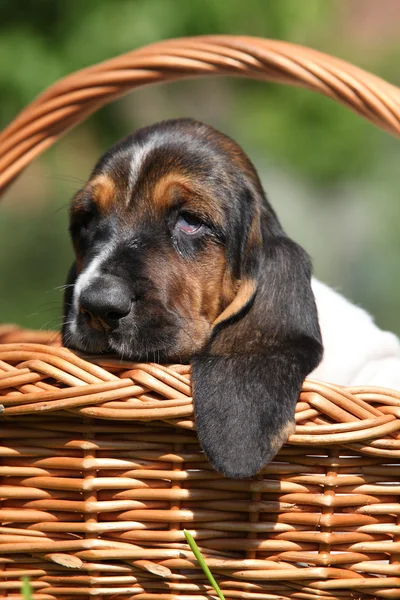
180	257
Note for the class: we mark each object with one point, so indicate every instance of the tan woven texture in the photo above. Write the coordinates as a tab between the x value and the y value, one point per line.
100	465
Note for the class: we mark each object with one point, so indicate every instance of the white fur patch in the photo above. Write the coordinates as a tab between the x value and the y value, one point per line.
138	158
356	351
84	279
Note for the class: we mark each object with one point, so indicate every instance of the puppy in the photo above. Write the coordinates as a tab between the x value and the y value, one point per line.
180	257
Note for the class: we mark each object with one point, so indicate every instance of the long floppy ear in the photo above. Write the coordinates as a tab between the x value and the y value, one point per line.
247	380
68	295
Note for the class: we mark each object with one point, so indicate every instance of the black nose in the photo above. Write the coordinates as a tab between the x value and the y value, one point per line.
107	300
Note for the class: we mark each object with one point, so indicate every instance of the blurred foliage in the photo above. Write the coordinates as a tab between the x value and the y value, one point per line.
48	40
315	143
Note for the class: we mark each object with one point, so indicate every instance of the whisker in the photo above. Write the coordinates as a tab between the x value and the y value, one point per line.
58	177
59	287
51	322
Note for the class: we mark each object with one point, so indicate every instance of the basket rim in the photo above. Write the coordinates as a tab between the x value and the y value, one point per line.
55	380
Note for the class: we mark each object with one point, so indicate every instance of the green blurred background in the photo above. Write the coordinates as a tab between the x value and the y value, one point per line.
332	177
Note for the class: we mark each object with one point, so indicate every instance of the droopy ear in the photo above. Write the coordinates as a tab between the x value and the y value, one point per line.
247	380
68	295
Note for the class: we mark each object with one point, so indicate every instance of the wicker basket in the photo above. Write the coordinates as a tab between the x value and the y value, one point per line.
101	466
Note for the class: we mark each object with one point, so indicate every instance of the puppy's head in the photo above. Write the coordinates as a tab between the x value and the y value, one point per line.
179	256
166	234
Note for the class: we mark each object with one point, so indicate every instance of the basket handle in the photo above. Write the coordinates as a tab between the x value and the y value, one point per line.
70	100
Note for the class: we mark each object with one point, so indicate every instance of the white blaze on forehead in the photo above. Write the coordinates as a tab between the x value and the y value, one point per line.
140	154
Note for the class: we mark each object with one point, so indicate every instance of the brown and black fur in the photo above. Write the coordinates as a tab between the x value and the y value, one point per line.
234	298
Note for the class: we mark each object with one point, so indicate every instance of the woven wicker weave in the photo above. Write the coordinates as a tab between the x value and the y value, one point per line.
101	469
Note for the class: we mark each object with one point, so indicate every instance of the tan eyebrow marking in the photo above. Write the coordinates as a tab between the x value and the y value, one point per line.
197	196
164	188
104	191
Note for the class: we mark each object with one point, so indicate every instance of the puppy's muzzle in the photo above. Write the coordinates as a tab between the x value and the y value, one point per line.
104	302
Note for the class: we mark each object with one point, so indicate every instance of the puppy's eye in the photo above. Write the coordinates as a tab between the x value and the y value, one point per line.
81	224
85	220
189	223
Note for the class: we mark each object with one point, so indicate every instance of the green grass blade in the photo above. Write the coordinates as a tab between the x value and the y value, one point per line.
194	548
26	589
